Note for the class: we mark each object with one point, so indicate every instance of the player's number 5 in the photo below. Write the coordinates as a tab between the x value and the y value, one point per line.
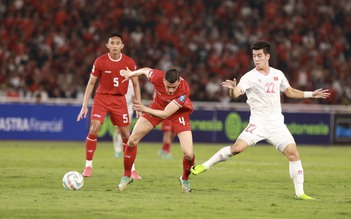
115	82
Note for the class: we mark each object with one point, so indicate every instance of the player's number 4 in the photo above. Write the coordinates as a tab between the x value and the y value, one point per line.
181	120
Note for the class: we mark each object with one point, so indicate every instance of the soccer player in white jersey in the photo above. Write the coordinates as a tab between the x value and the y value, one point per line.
262	86
118	144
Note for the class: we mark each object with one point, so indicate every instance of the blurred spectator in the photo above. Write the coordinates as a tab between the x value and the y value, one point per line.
41	94
213	88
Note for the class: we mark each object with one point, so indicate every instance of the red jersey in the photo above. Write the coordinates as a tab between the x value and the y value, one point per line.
108	69
162	98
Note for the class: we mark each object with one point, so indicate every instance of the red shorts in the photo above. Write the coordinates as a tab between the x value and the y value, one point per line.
167	126
180	122
115	105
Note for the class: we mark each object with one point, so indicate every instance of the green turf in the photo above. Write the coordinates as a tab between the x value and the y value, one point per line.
255	184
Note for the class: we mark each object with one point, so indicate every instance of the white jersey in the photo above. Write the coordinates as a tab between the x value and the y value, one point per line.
263	94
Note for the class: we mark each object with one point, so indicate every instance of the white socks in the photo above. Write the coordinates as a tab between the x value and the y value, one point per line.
296	174
117	142
89	163
221	155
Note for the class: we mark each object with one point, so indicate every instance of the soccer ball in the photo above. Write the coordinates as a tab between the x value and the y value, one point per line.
73	180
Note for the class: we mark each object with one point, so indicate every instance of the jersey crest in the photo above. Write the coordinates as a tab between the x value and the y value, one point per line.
182	98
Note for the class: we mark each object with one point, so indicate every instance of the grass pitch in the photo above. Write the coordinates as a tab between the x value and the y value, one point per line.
254	184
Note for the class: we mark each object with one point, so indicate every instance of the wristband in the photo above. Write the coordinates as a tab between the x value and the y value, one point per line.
308	94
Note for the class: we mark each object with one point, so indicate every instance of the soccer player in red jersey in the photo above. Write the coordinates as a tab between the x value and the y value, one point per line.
167	139
109	96
171	101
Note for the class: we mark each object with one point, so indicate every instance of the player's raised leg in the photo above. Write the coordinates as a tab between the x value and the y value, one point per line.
296	171
222	155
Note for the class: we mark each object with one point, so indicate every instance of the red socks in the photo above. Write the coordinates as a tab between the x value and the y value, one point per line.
187	164
90	146
129	157
124	144
166	147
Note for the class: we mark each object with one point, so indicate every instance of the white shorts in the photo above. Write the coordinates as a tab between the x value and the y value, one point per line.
130	112
276	134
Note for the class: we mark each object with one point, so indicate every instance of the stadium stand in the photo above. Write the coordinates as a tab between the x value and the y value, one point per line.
47	48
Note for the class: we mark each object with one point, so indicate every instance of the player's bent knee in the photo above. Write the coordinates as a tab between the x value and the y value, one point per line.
94	131
294	156
236	149
133	141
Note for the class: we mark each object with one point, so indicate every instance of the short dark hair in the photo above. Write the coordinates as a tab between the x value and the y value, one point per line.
172	75
261	45
116	35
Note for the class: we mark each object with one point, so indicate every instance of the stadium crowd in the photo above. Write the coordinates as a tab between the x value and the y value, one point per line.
47	48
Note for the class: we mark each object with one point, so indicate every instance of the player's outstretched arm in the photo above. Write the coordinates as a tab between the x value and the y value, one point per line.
295	93
127	73
163	114
321	93
234	91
